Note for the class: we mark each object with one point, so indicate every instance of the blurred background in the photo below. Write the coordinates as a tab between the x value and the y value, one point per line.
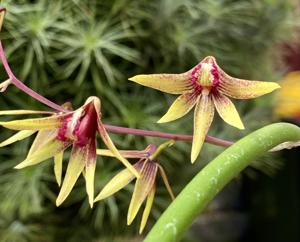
69	50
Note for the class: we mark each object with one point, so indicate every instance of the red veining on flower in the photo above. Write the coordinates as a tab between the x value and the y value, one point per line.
63	129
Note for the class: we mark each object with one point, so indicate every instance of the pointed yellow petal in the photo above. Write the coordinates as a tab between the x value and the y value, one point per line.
22	112
142	188
170	83
227	111
244	89
2	14
34	124
17	137
110	145
124	153
89	179
147	209
166	181
204	113
115	184
90	170
74	169
42	137
48	150
181	106
58	160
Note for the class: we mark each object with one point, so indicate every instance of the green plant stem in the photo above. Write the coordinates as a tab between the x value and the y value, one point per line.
212	178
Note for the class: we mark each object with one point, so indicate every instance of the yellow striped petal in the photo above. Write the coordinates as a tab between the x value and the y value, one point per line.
90	170
89	180
170	83
23	112
147	209
227	111
166	181
42	137
204	113
49	149
110	145
244	89
181	106
142	188
124	153
17	137
115	184
58	160
2	14
74	169
34	124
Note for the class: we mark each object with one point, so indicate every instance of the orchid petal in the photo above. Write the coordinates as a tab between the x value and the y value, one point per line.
17	137
2	14
181	106
110	145
227	111
42	137
124	153
22	112
147	209
74	169
34	124
166	181
90	168
58	160
170	83
115	184
244	89
142	189
49	149
204	113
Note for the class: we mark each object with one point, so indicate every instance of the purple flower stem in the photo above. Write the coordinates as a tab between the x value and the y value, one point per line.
158	134
20	85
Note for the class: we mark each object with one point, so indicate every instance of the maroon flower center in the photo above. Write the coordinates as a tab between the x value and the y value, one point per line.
80	127
205	77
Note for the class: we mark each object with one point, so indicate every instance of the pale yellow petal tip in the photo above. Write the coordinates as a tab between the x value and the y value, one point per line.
99	197
91	202
58	202
129	219
134	78
21	165
164	119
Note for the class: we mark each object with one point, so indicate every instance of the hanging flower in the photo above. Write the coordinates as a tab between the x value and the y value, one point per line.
287	100
59	131
206	86
145	185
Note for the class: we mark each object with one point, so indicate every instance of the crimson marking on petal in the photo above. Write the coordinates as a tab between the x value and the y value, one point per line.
63	129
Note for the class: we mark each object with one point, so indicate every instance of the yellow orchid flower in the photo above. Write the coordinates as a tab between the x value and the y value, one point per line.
145	185
205	86
287	100
59	131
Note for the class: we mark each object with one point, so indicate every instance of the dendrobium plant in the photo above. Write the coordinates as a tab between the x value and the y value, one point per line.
58	132
205	86
145	185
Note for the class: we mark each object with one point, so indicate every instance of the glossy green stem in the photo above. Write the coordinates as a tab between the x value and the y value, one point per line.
212	178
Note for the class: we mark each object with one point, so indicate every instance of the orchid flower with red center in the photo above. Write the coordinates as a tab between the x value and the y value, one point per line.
145	185
59	131
206	86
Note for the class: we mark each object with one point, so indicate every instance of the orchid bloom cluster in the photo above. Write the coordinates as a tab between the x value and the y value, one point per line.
206	86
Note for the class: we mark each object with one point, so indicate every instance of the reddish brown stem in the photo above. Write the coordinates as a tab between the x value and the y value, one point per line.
181	137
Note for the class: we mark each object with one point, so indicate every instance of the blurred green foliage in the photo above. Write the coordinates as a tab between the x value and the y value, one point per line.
69	50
